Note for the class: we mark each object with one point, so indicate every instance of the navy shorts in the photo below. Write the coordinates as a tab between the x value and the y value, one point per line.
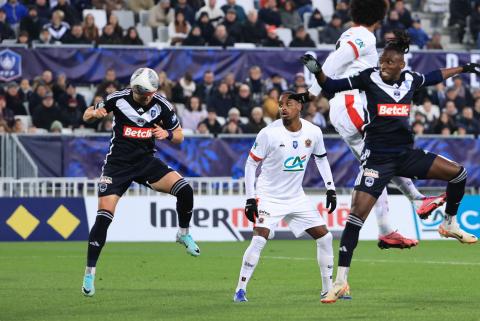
378	169
116	177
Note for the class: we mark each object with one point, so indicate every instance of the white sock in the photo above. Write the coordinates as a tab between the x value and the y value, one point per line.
250	260
406	186
183	231
381	211
342	273
325	260
90	270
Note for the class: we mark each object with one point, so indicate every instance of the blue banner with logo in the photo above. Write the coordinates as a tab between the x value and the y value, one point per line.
70	156
43	219
88	65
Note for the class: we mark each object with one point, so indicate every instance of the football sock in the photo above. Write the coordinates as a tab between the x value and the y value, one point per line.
406	186
325	260
348	242
455	191
98	236
184	193
381	211
250	260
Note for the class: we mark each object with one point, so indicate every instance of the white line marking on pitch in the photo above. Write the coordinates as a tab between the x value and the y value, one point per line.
377	261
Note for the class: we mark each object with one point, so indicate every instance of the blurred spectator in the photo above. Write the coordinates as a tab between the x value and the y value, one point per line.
14	99
418	128
165	85
111	88
43	9
137	5
221	100
32	23
193	113
270	103
206	27
187	11
393	22
256	84
276	81
194	38
418	36
231	4
445	131
107	5
72	113
221	37
229	79
438	96
445	121
459	11
57	27
71	98
23	38
303	6
132	38
178	29
431	112
302	39
452	96
451	109
467	121
76	36
289	16
243	101
90	30
212	123
476	109
463	91
56	127
184	89
436	41
437	8
234	28
202	129
47	78
298	82
37	97
313	115
109	37
253	30
117	29
206	88
316	20
59	88
6	32
46	113
403	13
161	14
255	121
4	127
71	15
233	124
270	14
6	114
106	125
45	38
110	76
272	39
25	91
475	22
215	14
461	130
15	11
332	31
342	11
19	127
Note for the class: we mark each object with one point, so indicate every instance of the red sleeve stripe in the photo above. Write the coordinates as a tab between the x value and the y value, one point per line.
255	158
354	49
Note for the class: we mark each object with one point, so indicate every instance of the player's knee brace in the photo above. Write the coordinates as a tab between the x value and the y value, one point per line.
455	191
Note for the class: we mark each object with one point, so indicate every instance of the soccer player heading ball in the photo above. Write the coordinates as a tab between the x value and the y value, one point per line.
389	150
140	117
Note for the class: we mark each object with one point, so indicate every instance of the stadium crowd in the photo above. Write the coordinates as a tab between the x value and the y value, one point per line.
53	104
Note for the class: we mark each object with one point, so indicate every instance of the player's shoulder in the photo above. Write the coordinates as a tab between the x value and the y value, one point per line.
119	94
163	101
310	127
360	36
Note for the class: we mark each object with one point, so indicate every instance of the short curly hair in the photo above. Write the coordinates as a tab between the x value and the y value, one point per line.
368	12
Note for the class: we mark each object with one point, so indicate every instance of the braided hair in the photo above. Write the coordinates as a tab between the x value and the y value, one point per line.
401	42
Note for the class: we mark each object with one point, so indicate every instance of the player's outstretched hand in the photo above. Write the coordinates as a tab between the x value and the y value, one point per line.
159	133
100	113
311	63
251	210
471	67
331	200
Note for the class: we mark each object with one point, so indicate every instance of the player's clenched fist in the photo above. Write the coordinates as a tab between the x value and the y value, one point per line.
100	113
311	63
159	133
331	200
251	210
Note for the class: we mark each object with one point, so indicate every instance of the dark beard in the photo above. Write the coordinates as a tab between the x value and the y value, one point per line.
286	122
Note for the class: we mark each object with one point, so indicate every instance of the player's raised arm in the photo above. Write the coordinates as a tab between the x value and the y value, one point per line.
92	114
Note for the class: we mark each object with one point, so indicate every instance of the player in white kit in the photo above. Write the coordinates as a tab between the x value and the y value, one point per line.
284	148
356	51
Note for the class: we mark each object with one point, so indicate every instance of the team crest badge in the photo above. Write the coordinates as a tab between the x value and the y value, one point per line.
396	93
260	220
295	144
153	113
308	143
369	181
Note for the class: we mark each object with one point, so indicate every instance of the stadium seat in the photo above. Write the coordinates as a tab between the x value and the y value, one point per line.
244	45
244	120
143	17
100	17
145	33
83	131
162	34
126	19
285	35
87	93
313	32
306	19
267	120
221	120
326	8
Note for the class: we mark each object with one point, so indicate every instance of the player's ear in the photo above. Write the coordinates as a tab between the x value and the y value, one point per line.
402	64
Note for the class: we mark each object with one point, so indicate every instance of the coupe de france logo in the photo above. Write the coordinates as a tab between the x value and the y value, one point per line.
10	65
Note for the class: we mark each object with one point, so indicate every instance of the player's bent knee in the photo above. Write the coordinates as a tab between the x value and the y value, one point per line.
184	193
460	176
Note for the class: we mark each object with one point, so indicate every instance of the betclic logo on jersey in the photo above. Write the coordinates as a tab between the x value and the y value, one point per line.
137	132
393	110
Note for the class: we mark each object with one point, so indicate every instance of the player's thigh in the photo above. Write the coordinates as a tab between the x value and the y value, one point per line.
355	143
305	218
108	202
261	231
157	175
115	181
317	232
362	203
443	169
269	215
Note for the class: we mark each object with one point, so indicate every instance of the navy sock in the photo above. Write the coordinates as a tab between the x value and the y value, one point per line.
349	239
184	193
98	236
455	191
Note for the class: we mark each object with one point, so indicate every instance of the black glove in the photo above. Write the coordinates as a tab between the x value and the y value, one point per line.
301	98
251	210
471	68
311	63
331	200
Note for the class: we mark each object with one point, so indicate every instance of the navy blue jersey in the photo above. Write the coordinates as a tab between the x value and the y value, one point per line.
132	136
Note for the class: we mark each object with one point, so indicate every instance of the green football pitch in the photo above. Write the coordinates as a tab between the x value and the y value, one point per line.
158	281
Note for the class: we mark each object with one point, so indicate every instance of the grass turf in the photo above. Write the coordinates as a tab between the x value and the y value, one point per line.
158	281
